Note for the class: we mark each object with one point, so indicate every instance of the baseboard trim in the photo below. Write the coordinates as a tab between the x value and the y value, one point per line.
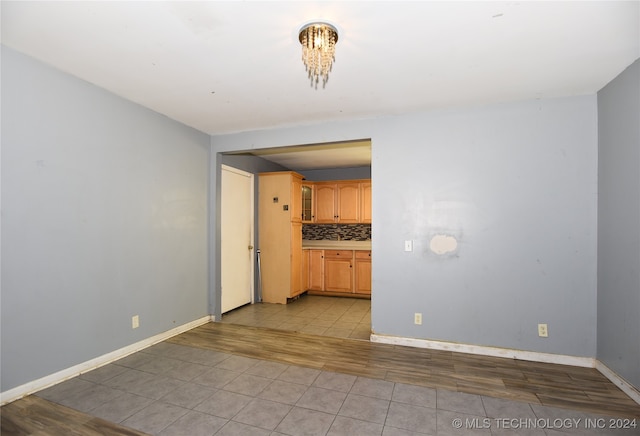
60	376
508	353
532	356
624	385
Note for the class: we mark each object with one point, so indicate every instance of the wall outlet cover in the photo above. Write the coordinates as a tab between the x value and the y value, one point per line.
543	331
417	318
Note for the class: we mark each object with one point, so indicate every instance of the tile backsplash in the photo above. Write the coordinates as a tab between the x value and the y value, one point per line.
335	232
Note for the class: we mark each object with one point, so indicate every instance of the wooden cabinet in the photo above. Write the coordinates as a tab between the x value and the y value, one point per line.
348	203
307	203
305	269
316	270
340	272
280	227
296	260
337	202
325	203
296	199
362	272
365	202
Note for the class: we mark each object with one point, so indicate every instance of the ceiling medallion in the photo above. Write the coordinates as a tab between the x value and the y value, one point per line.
318	50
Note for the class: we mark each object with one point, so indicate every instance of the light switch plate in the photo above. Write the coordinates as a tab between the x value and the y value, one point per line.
408	245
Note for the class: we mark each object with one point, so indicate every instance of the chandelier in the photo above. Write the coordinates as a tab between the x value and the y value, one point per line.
318	50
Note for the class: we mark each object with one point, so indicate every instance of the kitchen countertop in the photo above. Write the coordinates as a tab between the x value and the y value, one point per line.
337	245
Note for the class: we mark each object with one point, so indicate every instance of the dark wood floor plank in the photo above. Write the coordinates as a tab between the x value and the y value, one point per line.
33	415
570	387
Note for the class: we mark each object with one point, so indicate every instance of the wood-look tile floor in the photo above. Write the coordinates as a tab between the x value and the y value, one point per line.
570	387
230	379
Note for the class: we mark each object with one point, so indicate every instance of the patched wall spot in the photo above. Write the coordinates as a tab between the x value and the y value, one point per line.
443	244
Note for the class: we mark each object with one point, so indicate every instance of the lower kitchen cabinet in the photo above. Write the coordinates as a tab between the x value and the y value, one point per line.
363	272
339	272
315	281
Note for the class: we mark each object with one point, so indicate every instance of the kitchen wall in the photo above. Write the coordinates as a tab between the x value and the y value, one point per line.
104	216
619	224
514	184
337	174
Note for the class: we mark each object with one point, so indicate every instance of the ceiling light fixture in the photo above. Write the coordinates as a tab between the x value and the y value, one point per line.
318	50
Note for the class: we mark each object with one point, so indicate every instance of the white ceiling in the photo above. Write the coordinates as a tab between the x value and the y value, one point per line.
230	66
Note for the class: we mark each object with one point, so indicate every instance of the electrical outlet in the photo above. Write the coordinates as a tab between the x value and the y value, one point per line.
408	245
543	332
417	318
135	322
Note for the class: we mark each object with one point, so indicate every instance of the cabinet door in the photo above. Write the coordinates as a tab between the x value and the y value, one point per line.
316	270
296	259
338	271
325	210
348	202
363	272
365	202
305	269
307	203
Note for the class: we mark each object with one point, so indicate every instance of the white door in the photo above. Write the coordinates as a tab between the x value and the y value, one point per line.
236	265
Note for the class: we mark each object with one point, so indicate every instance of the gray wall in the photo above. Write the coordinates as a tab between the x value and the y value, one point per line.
619	225
515	184
104	207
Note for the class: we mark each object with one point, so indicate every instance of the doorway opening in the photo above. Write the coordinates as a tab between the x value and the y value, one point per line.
326	314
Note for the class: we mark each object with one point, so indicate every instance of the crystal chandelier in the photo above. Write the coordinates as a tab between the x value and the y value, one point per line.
318	50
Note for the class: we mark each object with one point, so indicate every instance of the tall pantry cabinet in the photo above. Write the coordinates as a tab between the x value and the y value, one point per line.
280	228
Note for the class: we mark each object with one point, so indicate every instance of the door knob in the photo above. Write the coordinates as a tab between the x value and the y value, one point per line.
250	247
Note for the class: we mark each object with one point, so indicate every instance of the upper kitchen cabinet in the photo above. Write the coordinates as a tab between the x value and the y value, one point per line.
365	202
325	203
337	202
280	213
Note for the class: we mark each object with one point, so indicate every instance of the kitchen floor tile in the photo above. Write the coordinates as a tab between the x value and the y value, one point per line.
323	400
194	424
304	422
263	413
155	418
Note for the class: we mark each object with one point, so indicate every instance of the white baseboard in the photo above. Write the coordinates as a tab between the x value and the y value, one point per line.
532	356
60	376
508	353
624	385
